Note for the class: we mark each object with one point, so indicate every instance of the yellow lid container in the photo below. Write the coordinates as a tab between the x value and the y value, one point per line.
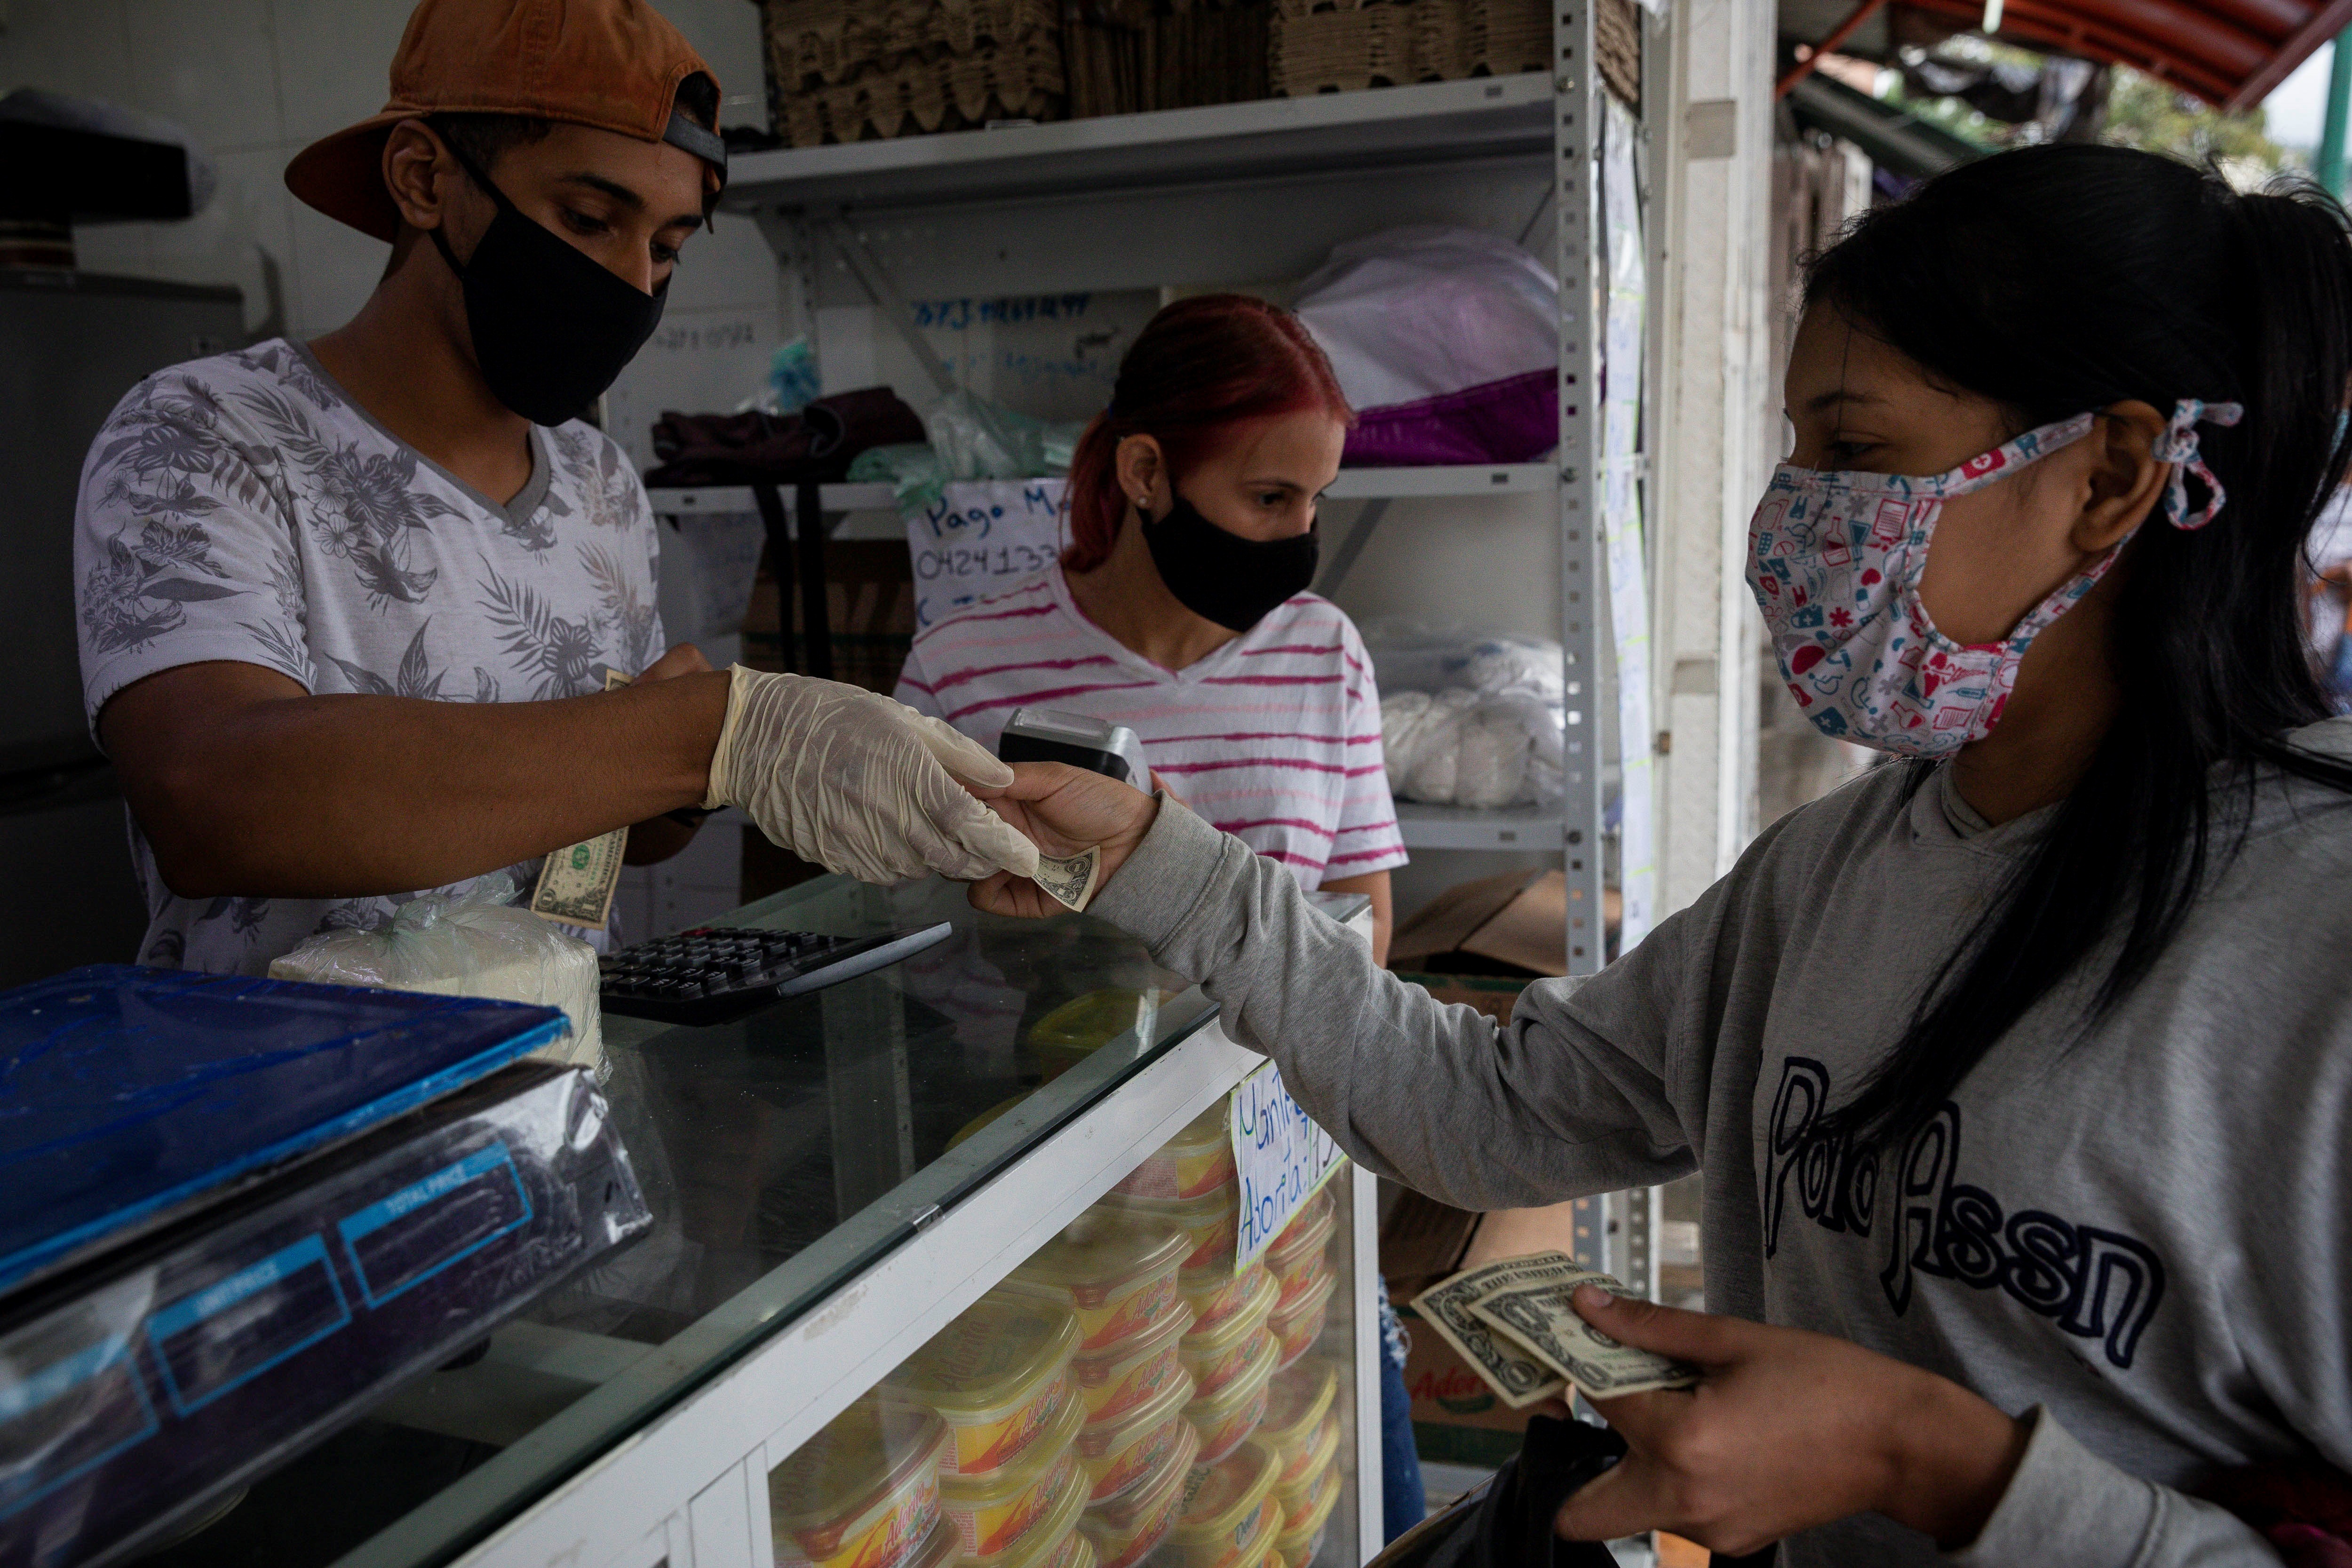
1296	1324
998	1376
1116	1378
1115	1275
1078	1028
1302	1537
1126	1529
1046	1544
1196	1162
993	1510
1295	1407
1210	1224
1214	1292
1294	1489
1118	1453
1227	1418
1297	1256
864	1492
1076	1551
1213	1356
1229	1513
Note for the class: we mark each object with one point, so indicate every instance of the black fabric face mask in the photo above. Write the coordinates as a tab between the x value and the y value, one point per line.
551	327
1220	576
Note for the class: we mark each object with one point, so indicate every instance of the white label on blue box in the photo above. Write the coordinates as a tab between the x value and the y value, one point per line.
1283	1159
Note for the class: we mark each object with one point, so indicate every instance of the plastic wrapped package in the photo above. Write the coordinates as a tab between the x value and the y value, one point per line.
474	943
1116	1275
1227	1418
1230	1514
145	1385
1118	1377
998	1376
993	1508
1474	720
1296	1324
1417	312
1216	1356
1126	1528
864	1492
1118	1453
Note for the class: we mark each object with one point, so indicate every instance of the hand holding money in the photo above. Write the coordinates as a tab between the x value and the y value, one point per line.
1084	825
1513	1321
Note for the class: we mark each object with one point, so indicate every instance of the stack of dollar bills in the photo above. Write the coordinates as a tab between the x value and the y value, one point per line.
1516	1322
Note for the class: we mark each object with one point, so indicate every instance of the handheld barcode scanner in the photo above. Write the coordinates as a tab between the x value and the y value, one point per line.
1045	735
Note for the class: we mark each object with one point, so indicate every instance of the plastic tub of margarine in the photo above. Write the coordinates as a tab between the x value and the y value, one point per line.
1215	1357
1298	1405
1115	1275
1296	1324
1230	1514
1210	1224
1116	1378
1227	1418
1054	1542
1078	1028
1196	1162
1297	1256
1302	1537
1216	1291
1118	1453
1299	1494
993	1508
998	1376
864	1492
1125	1530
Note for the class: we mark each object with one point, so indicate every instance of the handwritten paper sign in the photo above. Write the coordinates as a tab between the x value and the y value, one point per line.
983	537
1284	1159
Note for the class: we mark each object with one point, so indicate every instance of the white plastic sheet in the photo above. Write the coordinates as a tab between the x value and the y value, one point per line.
1417	312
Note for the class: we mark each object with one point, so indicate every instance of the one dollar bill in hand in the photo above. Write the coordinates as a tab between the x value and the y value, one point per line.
1541	1315
1071	881
1508	1367
576	883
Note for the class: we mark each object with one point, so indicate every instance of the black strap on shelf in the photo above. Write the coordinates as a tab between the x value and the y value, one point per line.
778	558
808	510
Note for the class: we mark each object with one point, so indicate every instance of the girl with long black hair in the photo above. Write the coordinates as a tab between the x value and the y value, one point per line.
2021	1073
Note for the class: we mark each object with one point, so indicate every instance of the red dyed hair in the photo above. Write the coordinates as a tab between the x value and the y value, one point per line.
1199	368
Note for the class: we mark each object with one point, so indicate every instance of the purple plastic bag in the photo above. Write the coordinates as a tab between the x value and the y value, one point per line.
1515	420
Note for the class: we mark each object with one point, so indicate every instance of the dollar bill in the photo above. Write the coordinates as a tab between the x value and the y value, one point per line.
576	884
1508	1367
1540	1315
1072	881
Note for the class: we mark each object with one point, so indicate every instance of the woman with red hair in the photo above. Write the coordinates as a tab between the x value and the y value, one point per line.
1180	606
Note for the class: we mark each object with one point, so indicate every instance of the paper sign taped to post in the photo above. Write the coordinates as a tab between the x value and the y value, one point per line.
1282	1157
981	538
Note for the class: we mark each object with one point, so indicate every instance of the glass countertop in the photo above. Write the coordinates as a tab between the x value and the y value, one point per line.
782	1155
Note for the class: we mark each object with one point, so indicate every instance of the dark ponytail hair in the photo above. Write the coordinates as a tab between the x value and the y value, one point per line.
1199	368
2064	278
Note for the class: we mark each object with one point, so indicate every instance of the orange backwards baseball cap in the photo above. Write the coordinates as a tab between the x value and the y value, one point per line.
612	64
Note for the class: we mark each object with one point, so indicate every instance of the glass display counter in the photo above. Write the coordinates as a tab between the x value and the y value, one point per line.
942	1278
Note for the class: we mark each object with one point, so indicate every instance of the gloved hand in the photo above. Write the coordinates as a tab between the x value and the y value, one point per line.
859	784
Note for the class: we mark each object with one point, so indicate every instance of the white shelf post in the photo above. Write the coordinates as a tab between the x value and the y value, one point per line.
1576	126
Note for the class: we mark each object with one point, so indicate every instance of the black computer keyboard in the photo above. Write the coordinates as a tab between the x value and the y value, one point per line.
714	974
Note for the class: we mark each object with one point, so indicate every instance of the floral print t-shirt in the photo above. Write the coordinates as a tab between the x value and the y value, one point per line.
244	507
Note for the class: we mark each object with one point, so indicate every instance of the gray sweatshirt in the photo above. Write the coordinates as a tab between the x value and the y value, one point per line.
2141	1238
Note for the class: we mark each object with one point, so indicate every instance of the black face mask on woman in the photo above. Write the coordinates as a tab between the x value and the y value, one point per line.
552	328
1222	577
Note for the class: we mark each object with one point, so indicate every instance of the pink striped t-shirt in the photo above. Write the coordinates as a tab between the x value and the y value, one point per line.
1274	737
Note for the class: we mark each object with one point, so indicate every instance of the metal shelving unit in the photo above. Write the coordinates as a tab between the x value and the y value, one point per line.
1237	191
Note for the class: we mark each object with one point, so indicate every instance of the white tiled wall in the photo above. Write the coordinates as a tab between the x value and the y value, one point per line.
256	80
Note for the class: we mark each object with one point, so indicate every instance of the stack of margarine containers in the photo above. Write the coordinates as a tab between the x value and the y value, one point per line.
1124	1395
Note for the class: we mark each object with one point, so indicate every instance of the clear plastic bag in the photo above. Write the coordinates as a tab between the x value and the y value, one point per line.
1411	313
470	941
1467	718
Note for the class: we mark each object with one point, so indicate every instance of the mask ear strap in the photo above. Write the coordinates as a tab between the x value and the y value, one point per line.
2178	445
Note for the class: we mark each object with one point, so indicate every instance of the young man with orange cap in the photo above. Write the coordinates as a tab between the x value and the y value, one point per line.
347	606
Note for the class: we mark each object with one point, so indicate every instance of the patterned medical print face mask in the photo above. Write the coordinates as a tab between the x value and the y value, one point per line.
1834	560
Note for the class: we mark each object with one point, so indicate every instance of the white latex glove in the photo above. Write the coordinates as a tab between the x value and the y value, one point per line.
859	784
